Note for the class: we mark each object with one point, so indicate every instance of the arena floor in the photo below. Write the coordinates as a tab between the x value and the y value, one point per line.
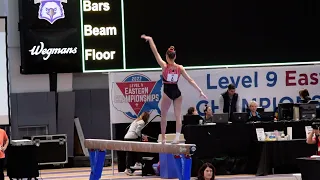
83	174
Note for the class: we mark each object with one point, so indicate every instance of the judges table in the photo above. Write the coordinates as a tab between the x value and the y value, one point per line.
309	168
240	140
282	154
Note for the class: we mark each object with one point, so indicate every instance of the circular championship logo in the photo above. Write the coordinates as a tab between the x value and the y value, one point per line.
140	92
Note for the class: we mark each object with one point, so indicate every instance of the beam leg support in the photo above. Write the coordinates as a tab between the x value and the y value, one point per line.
92	155
187	167
96	162
183	166
179	166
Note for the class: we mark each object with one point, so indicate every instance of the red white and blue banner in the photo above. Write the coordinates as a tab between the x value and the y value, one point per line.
133	93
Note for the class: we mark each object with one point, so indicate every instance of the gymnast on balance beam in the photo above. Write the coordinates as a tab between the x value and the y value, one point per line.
171	73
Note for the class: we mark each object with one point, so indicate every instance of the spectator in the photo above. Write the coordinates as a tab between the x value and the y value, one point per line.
3	146
206	172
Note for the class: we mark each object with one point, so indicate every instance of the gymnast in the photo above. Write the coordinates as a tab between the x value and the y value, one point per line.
171	73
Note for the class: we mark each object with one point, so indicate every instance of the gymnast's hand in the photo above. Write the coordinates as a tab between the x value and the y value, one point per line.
203	95
147	38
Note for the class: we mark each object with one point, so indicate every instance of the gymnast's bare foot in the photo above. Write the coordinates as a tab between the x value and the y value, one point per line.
163	139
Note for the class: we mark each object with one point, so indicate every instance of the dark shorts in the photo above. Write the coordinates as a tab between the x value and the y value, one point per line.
172	91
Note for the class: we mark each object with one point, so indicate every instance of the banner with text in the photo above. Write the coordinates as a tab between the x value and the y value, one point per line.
133	93
50	36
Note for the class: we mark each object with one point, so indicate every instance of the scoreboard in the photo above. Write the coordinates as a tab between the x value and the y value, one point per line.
102	35
205	33
106	34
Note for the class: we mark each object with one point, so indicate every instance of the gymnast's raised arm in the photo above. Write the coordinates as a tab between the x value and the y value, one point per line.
154	50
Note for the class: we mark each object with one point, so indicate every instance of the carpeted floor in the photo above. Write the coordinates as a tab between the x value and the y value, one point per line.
83	174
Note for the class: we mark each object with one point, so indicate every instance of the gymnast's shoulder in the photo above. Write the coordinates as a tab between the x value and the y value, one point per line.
180	66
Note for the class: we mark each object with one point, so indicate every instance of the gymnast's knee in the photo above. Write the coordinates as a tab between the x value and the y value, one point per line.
163	115
178	117
163	119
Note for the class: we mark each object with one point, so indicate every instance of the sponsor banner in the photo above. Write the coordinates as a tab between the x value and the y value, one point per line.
48	52
50	36
133	93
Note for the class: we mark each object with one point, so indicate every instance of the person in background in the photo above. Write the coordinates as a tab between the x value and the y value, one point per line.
253	115
156	168
4	142
192	117
276	114
304	95
134	134
208	117
229	101
206	172
313	135
192	111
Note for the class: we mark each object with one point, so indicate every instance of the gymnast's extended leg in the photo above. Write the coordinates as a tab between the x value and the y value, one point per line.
177	103
165	105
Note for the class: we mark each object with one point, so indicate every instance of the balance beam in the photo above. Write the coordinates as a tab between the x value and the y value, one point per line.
101	144
181	152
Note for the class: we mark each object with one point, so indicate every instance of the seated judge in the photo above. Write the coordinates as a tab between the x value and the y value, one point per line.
304	95
192	111
192	116
253	115
208	117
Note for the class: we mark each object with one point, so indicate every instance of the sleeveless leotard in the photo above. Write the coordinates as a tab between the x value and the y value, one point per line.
170	78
